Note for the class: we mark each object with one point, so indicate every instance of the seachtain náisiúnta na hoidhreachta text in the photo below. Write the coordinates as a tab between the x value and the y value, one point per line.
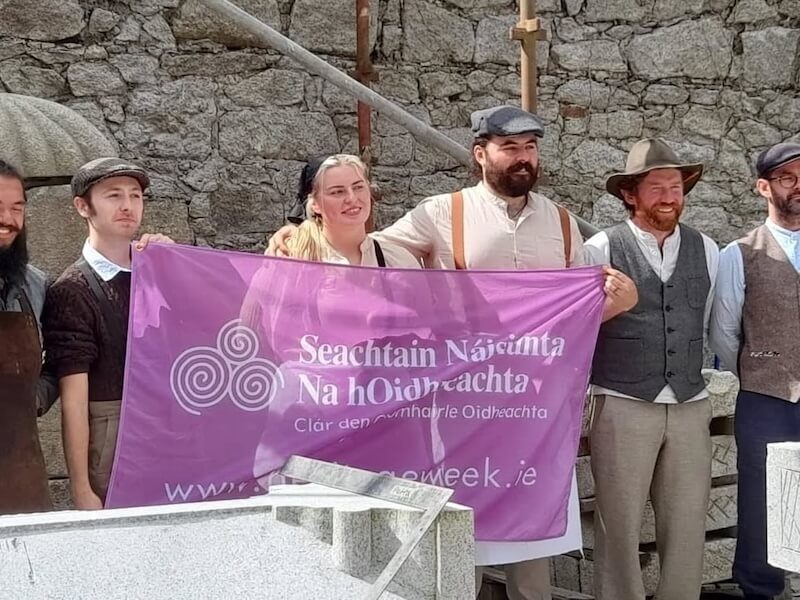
382	389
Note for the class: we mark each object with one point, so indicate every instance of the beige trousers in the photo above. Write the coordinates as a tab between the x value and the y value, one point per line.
103	429
664	449
526	580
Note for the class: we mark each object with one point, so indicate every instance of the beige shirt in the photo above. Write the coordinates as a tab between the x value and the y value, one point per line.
395	256
494	241
491	239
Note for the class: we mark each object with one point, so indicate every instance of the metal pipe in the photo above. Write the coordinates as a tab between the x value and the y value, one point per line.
364	71
420	130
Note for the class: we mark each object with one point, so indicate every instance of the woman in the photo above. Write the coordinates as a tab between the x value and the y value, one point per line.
338	209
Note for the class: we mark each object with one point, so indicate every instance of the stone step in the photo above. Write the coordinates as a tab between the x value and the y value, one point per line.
572	572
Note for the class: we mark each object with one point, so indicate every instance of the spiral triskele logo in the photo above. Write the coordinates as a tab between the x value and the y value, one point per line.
202	376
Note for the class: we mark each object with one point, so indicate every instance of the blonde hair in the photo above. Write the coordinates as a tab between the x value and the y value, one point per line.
308	243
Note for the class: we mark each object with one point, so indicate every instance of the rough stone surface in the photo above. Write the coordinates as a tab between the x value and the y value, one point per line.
271	87
491	45
195	21
765	56
783	494
614	10
429	31
278	133
270	558
598	55
94	79
41	20
723	456
700	49
329	27
22	77
752	11
102	20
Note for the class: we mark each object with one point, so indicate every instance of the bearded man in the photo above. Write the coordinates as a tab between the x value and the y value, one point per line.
649	430
755	330
502	224
23	392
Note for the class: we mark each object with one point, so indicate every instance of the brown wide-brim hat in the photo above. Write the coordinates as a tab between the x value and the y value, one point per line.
650	154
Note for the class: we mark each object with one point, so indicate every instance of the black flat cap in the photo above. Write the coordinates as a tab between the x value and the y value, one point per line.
505	120
777	156
103	168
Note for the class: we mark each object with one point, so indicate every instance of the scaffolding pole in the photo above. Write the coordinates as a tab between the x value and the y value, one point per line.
419	129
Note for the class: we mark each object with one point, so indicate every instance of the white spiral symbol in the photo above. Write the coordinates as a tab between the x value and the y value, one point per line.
199	378
237	342
203	376
255	383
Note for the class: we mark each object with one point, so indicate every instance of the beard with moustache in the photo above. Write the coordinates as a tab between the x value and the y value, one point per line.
513	182
14	260
662	221
787	203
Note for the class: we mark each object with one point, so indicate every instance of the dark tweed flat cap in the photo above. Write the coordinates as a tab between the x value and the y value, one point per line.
777	156
103	168
505	120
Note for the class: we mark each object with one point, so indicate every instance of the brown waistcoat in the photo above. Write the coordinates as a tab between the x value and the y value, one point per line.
769	359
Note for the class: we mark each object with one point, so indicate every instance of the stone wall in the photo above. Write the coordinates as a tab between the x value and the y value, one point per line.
224	124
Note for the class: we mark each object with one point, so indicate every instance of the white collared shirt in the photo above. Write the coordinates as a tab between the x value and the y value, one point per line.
492	240
395	256
725	329
663	262
105	268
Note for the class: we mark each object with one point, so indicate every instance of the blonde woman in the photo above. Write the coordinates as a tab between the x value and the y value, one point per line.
337	210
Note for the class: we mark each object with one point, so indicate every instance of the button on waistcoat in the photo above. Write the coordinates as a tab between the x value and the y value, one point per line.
660	341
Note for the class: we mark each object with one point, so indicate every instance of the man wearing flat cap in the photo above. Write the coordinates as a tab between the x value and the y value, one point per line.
649	431
755	331
500	223
85	321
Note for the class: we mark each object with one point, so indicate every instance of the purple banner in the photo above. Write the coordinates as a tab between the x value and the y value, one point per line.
472	380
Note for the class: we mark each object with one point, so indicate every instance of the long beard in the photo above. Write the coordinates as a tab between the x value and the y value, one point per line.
14	259
661	221
509	182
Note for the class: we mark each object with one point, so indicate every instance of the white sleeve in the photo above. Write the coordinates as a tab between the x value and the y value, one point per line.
712	265
597	249
725	326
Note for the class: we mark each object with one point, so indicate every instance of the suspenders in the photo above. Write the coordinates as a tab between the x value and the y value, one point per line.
457	205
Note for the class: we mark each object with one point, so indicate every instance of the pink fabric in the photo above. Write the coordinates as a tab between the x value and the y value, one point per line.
473	380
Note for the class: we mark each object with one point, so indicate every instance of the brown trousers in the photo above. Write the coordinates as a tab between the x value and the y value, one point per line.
664	449
103	429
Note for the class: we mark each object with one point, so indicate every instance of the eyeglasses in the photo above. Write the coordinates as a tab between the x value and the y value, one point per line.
787	181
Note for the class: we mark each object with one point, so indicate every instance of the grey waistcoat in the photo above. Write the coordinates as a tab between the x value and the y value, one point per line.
660	341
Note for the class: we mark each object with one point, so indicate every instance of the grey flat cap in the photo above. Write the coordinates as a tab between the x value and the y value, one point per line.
103	168
776	156
505	120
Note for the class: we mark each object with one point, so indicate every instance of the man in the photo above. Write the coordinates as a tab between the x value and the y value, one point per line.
755	331
22	389
86	321
649	431
501	224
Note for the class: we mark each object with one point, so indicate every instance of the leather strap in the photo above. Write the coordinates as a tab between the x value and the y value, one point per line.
566	234
111	316
379	254
457	209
